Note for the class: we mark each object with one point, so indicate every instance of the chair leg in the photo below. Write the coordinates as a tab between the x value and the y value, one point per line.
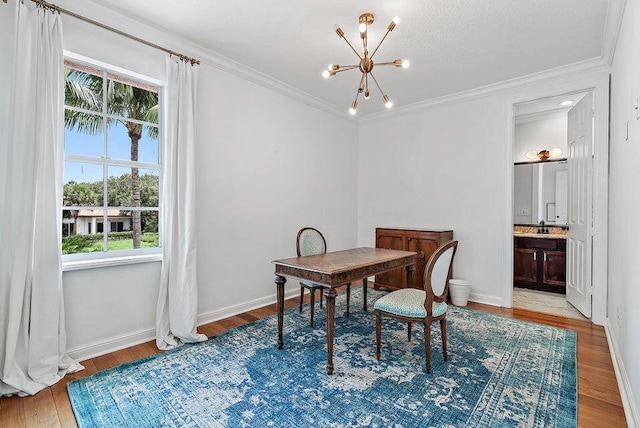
408	332
321	294
427	345
378	333
348	297
301	297
443	333
312	304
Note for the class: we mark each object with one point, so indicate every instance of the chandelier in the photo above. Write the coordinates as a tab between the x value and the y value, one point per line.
365	65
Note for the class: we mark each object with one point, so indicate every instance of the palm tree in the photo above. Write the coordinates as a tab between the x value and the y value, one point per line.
131	104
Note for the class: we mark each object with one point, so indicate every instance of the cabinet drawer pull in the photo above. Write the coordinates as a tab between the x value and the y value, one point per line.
544	257
535	257
421	255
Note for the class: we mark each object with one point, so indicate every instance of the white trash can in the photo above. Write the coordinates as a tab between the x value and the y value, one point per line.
459	290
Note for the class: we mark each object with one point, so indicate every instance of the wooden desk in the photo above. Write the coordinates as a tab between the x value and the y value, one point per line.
334	269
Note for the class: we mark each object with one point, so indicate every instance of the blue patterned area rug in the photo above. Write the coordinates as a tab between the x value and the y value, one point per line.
501	372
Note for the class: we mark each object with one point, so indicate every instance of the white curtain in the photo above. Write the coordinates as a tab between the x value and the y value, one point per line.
32	333
177	311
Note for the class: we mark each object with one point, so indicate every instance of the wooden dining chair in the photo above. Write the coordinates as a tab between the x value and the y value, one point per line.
310	242
422	306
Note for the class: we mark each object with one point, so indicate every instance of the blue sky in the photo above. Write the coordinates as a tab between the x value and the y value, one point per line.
118	147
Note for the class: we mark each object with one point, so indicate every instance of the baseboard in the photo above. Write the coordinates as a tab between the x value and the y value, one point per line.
230	311
116	343
484	299
631	412
112	344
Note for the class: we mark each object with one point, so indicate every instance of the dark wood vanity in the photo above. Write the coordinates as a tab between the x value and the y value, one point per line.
539	263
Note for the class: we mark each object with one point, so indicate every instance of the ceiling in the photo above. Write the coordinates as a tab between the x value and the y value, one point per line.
548	105
453	45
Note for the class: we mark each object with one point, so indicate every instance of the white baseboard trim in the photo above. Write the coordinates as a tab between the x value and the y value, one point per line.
484	299
230	311
116	343
631	412
112	344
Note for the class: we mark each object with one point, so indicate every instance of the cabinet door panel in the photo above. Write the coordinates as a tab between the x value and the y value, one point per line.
525	266
396	278
553	268
425	247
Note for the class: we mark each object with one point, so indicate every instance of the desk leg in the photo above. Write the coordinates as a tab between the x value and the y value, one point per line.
330	300
410	270
365	285
348	297
280	280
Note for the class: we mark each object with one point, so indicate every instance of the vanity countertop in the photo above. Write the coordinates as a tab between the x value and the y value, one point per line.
539	235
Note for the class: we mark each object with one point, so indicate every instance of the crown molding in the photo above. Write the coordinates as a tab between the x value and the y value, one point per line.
613	22
242	71
575	70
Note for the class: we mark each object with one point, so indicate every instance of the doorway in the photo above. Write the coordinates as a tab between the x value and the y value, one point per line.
548	262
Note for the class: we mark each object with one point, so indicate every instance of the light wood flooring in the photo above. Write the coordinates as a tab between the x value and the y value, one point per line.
599	403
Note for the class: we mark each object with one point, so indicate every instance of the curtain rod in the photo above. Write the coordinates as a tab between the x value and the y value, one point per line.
58	9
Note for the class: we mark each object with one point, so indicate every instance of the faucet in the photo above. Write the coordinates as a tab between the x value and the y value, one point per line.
542	229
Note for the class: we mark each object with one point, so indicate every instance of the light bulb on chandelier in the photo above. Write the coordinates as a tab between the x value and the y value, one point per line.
365	64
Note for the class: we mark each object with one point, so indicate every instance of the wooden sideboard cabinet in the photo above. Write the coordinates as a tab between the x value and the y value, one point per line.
539	264
423	242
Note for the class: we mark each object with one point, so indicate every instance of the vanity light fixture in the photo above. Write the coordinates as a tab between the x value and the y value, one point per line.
544	154
365	63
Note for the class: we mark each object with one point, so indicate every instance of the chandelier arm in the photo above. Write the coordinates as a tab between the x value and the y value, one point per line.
377	47
357	94
346	68
354	51
385	63
376	82
366	84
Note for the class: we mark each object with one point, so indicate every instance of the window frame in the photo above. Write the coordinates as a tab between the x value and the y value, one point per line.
117	257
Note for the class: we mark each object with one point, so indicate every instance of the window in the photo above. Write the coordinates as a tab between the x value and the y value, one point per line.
112	164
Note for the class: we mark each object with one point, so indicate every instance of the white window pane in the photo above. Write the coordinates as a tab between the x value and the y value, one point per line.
82	184
123	240
80	232
132	141
83	89
79	141
121	185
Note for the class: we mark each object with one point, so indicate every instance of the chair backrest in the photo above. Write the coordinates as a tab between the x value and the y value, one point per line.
310	242
437	274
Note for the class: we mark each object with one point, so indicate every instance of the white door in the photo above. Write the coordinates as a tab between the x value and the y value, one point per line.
562	187
580	159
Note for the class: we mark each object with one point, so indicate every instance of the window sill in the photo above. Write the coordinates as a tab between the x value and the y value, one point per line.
112	261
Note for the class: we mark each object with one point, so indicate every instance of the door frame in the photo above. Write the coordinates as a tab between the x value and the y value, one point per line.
597	81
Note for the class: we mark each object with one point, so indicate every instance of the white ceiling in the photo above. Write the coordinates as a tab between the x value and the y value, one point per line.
453	45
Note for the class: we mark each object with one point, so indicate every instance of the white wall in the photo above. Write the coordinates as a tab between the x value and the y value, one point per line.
442	168
523	203
448	164
266	166
624	205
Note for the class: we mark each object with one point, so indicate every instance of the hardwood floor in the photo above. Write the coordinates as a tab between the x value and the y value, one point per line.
599	403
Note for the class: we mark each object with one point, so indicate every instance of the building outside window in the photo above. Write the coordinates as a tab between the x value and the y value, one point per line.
112	164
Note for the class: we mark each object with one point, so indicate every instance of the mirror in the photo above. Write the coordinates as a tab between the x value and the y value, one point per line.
540	192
